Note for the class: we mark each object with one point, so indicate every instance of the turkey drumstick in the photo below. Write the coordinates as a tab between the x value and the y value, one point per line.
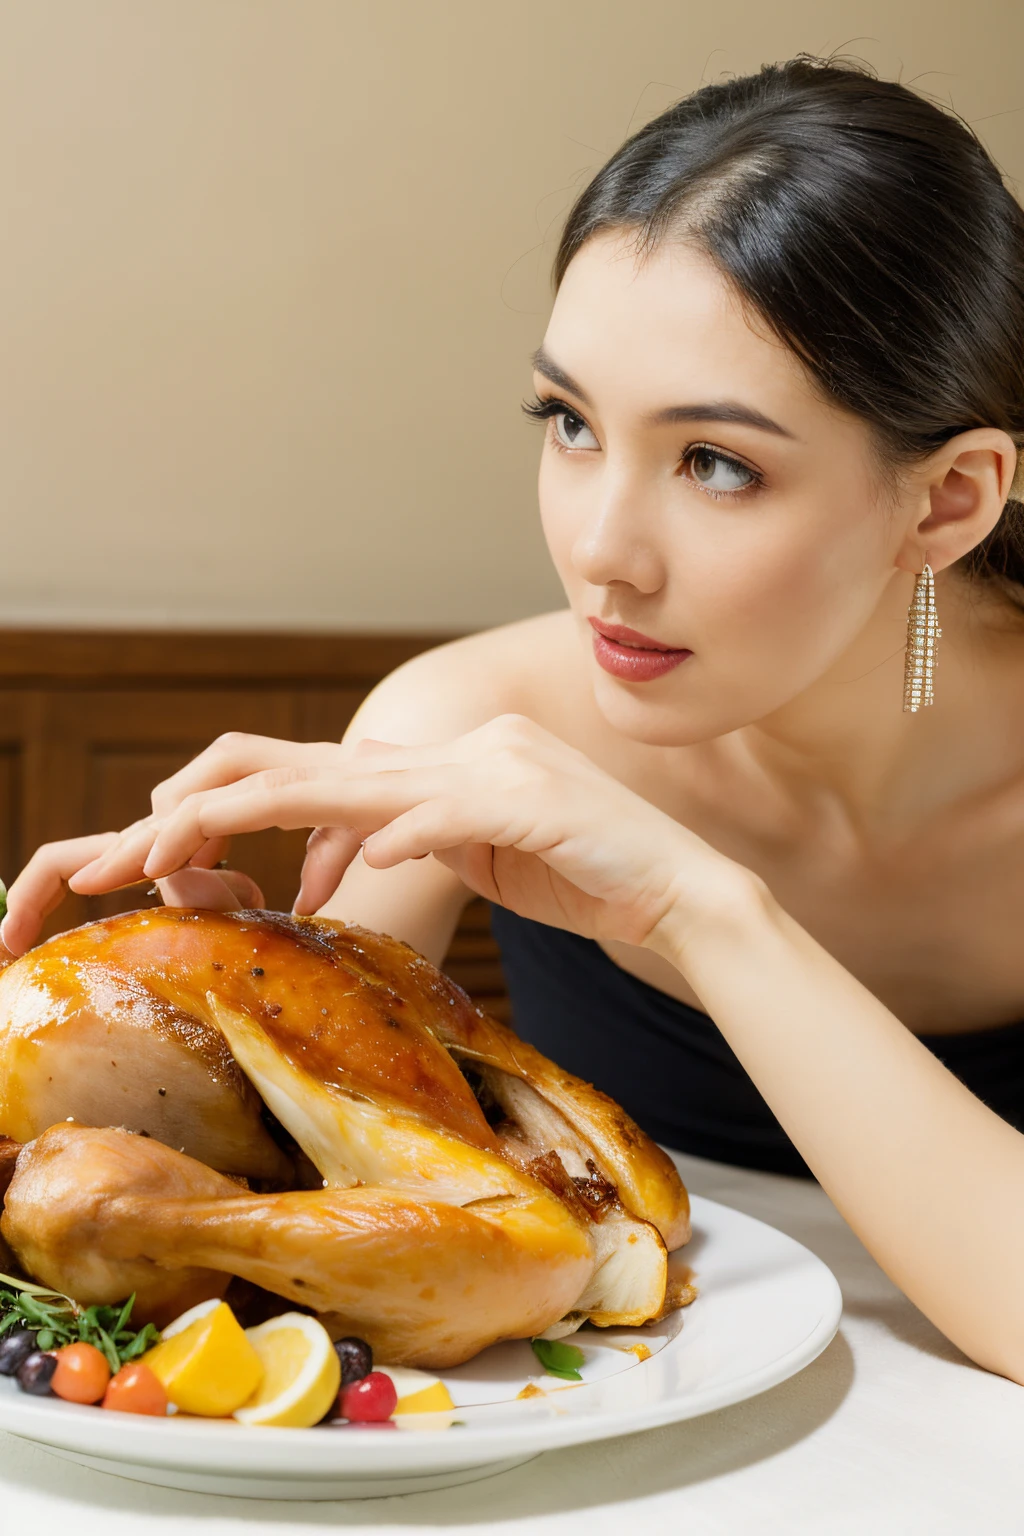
99	1213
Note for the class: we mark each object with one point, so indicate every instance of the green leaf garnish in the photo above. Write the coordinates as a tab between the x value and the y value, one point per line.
58	1320
142	1341
559	1359
3	901
125	1314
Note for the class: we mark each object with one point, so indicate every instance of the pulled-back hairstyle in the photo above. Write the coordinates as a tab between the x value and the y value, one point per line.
872	232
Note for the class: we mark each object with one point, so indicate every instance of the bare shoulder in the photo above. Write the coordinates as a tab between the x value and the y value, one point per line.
518	668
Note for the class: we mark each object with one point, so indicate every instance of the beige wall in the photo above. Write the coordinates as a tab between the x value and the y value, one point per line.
270	271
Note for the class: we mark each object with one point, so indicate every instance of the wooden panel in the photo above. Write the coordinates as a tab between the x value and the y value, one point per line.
22	801
11	807
89	723
323	714
48	657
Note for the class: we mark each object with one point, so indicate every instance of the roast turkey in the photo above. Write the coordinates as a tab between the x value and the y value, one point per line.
315	1109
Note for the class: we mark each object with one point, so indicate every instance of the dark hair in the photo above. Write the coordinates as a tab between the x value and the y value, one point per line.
872	232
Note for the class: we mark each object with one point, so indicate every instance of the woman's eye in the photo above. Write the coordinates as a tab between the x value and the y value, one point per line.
717	473
573	432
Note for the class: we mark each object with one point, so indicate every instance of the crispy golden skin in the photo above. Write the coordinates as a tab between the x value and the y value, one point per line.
96	1213
439	1227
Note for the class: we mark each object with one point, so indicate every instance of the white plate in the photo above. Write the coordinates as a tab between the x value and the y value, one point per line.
767	1307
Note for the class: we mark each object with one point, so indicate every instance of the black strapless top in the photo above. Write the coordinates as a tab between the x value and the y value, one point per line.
667	1064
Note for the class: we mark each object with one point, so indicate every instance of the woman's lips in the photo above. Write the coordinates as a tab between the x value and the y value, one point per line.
628	654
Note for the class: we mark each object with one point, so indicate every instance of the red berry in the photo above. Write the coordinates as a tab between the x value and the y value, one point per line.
369	1401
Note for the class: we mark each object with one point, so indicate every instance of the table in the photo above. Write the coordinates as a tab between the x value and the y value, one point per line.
891	1430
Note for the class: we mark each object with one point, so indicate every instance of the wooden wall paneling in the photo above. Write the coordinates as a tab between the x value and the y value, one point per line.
22	803
47	658
323	714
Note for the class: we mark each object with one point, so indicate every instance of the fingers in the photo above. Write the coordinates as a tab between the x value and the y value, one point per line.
40	886
244	888
211	854
231	758
247	783
442	822
368	746
478	792
214	890
234	756
329	853
119	863
289	798
251	782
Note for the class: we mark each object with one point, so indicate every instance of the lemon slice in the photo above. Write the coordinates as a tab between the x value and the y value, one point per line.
301	1373
418	1392
193	1314
205	1362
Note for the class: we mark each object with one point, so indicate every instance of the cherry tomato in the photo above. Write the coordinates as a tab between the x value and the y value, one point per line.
82	1374
135	1389
368	1401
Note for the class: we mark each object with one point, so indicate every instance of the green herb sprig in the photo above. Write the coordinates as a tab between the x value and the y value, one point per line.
559	1359
57	1320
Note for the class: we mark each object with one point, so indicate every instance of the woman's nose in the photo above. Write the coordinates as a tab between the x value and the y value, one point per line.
616	542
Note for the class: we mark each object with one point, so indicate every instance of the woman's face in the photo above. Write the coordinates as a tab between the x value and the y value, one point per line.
720	529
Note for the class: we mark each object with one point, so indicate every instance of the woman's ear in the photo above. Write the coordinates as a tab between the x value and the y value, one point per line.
959	491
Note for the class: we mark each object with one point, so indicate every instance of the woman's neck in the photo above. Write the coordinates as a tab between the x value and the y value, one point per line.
848	737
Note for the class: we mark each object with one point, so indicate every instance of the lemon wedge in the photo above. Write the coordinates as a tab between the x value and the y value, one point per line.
205	1362
187	1318
418	1392
301	1373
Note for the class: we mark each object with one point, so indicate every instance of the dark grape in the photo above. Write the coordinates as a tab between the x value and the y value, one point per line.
356	1358
15	1347
36	1372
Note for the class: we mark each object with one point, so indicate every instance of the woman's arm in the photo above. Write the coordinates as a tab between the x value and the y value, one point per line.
929	1178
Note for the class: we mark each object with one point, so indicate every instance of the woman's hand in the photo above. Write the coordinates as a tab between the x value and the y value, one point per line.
521	818
40	887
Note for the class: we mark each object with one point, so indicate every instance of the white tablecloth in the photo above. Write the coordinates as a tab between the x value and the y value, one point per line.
891	1430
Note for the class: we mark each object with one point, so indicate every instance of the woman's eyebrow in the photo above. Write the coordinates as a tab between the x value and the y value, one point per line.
550	369
718	410
731	411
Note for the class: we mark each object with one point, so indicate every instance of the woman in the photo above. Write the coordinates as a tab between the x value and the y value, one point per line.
783	382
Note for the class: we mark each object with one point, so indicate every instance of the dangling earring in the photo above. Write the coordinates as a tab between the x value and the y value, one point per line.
923	636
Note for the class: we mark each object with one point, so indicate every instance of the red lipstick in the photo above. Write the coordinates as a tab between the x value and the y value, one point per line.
634	657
